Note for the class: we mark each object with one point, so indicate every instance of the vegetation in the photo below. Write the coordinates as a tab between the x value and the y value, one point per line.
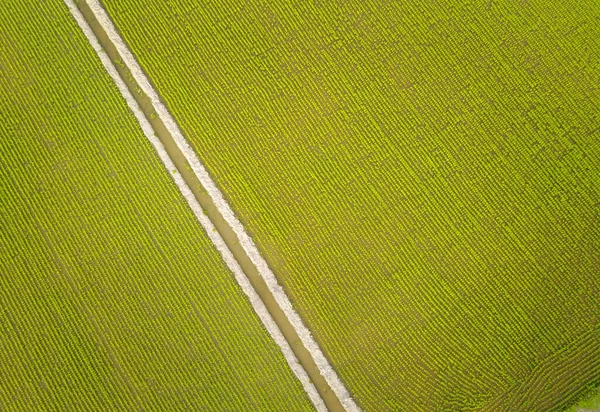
422	178
111	295
591	402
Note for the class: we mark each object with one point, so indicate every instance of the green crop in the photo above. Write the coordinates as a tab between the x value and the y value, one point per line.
422	177
111	295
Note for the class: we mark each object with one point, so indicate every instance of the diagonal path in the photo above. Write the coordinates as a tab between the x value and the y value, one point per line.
210	229
251	271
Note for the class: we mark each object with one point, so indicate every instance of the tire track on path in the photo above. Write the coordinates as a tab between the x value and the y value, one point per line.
211	210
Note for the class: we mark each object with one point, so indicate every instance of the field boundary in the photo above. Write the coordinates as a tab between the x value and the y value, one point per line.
257	304
223	207
579	362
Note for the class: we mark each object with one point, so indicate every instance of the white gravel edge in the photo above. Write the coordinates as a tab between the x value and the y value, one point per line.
265	272
214	236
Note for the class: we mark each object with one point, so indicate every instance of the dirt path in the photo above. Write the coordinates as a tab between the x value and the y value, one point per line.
224	229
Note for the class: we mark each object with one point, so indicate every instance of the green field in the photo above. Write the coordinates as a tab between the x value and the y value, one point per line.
421	177
111	295
589	403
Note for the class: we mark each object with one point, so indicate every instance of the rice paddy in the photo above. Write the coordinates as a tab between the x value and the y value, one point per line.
411	188
421	179
112	295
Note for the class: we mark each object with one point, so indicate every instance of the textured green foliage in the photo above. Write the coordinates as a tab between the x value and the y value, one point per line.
421	176
111	295
591	402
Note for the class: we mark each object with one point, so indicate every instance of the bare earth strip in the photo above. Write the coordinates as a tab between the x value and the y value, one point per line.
208	226
224	209
303	356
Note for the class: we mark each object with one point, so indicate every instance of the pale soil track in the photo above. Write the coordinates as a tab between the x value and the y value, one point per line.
318	378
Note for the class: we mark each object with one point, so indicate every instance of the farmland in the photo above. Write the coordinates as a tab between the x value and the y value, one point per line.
112	296
589	403
423	180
